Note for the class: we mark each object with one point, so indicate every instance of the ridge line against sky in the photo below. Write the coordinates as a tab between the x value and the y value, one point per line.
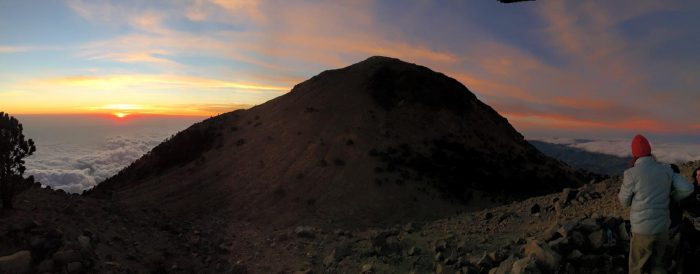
567	67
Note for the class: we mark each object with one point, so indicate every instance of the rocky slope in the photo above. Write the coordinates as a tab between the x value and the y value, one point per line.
578	230
377	142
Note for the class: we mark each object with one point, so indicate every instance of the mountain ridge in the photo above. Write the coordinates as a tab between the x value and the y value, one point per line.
375	142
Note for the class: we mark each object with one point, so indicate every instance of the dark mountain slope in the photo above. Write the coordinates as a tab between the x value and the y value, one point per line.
378	142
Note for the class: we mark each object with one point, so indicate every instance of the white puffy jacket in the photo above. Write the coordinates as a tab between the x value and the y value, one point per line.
647	188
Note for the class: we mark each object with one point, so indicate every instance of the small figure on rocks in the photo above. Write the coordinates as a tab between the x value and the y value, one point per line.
690	229
646	189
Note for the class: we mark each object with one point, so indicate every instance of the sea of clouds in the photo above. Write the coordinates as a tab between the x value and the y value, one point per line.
77	152
664	152
74	168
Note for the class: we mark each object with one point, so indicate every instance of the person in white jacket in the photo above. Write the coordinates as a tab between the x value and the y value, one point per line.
646	188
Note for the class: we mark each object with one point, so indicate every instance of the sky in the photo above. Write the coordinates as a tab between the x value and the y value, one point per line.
552	68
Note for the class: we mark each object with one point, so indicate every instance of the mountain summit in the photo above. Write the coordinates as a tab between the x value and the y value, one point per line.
378	142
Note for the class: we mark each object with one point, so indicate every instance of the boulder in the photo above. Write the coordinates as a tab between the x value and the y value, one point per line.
45	266
17	263
63	257
450	260
305	232
74	267
410	228
596	239
84	241
485	261
438	257
557	209
544	255
439	268
366	269
42	247
524	265
575	255
338	254
413	251
589	225
567	195
561	246
578	240
552	233
567	228
504	267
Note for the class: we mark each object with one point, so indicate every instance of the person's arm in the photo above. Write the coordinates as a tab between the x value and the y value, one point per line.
626	190
681	187
689	202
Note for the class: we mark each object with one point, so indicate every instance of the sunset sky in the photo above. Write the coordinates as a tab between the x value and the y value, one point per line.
550	67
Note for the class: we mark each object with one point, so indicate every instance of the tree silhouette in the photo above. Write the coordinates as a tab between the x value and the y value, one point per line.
13	149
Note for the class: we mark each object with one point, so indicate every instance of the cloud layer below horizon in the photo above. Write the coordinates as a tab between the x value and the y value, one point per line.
74	168
664	152
76	152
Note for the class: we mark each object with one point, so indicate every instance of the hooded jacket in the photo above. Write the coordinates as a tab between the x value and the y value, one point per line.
646	189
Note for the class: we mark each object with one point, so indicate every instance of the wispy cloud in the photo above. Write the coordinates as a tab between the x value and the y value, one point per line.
578	65
155	82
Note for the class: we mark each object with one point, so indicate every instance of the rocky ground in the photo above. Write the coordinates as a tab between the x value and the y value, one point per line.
580	230
53	232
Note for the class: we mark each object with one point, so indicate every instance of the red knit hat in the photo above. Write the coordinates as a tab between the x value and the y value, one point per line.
640	146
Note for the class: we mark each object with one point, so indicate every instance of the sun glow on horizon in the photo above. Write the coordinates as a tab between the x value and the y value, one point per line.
120	114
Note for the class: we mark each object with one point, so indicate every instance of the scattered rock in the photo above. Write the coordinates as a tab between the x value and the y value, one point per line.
505	267
438	257
413	251
575	255
439	268
524	265
305	232
18	262
596	239
64	257
578	240
367	268
589	225
544	255
410	228
84	241
45	266
74	267
552	233
485	261
567	195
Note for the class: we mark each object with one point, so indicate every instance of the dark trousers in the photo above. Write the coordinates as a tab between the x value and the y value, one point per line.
690	248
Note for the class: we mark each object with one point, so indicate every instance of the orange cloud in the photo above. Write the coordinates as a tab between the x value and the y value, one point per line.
582	103
123	110
121	81
8	49
556	121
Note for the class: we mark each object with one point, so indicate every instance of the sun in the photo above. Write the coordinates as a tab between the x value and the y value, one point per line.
120	114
